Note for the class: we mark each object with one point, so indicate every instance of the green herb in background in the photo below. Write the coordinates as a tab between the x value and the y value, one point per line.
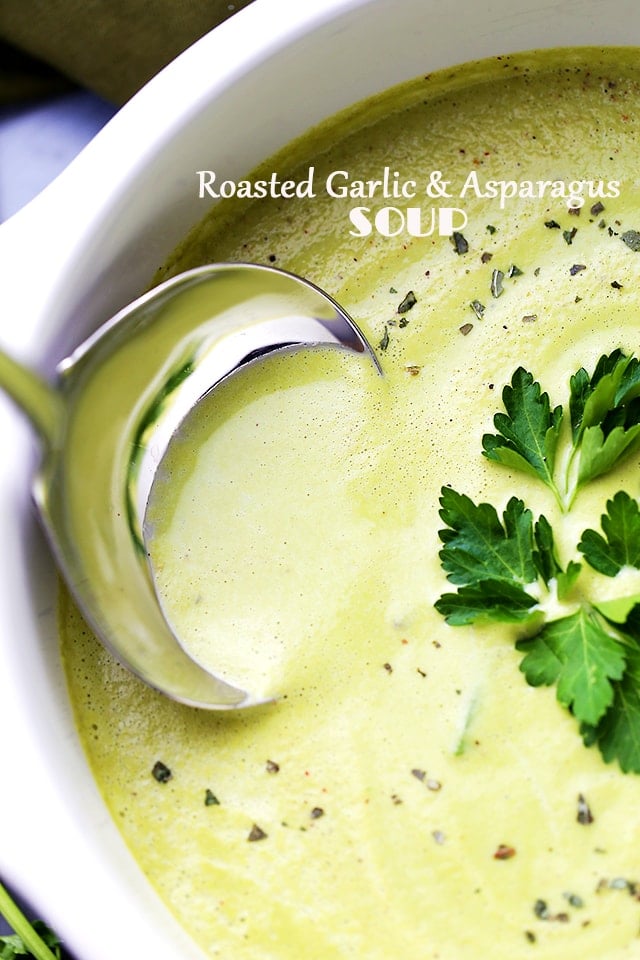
506	568
31	939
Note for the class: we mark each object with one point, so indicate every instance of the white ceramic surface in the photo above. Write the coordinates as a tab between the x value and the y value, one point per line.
95	237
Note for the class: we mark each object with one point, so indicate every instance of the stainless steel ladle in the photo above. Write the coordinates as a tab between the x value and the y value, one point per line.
107	421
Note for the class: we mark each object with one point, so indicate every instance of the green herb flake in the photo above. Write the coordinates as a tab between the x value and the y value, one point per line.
552	224
568	235
460	243
161	772
541	909
514	271
497	276
210	799
584	815
574	900
577	268
256	833
384	342
408	302
478	308
491	229
632	239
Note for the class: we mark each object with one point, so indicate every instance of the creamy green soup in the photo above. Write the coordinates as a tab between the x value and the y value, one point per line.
407	793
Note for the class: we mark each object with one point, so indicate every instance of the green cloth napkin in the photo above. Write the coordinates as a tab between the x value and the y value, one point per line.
111	47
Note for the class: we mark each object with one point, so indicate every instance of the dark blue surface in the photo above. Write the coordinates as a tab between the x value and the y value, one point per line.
39	139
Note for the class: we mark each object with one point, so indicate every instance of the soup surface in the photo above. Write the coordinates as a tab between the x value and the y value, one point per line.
407	793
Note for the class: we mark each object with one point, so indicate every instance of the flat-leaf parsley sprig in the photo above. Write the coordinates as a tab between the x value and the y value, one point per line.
604	414
506	568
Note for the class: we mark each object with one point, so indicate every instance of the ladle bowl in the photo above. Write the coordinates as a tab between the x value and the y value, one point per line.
107	421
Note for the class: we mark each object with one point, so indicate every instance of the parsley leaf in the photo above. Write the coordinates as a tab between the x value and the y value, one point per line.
507	568
621	526
486	600
618	732
492	561
582	657
528	432
479	547
605	415
592	396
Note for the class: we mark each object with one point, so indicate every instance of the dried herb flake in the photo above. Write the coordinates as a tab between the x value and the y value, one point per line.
497	277
478	308
632	239
584	815
161	772
408	302
460	243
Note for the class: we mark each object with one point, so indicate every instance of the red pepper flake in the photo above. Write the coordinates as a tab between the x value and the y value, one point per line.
256	833
504	852
466	328
316	813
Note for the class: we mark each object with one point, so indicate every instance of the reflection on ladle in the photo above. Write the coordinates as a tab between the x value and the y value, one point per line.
106	423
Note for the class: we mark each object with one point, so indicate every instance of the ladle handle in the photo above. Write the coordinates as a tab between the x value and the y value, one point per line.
34	396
